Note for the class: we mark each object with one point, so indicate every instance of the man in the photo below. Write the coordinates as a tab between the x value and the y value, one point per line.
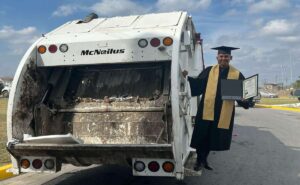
215	117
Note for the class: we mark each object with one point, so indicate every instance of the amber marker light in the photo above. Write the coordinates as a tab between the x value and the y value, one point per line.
42	49
168	167
168	41
25	163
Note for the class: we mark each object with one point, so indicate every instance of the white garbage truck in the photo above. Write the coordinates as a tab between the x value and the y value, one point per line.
107	91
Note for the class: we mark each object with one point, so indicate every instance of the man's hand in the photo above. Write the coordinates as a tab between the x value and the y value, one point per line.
185	73
244	100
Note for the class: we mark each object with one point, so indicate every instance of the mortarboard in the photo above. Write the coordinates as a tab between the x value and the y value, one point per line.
224	49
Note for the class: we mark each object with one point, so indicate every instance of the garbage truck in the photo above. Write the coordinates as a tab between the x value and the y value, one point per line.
107	91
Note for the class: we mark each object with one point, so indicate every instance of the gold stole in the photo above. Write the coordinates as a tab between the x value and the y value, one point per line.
210	96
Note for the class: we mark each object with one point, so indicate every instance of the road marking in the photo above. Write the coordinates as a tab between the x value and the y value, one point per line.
4	174
278	107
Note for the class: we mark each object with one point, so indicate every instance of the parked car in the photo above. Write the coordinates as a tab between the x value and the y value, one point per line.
255	100
265	94
5	91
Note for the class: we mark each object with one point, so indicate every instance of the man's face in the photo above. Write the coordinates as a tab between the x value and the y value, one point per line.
223	60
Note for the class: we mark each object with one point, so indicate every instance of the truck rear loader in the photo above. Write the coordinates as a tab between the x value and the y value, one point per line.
107	91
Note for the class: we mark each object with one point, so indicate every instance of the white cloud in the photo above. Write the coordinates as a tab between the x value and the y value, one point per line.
278	27
130	7
258	22
66	10
118	7
6	32
289	39
26	31
268	5
12	34
14	43
232	12
191	5
17	41
238	2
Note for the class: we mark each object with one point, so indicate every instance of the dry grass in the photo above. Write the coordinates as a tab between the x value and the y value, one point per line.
277	101
4	155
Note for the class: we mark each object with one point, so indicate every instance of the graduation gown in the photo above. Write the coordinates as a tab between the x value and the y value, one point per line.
206	134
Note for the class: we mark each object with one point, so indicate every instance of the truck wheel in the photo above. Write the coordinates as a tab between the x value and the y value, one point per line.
5	94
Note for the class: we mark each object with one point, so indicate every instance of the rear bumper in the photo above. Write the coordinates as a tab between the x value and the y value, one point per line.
81	154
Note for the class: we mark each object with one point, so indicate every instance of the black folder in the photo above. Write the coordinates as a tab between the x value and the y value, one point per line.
239	89
231	89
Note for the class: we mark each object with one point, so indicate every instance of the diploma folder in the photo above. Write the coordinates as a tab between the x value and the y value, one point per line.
239	89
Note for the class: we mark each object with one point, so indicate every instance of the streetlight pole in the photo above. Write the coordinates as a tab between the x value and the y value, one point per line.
291	62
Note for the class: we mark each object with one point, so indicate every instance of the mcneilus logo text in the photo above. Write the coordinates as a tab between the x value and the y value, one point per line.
102	51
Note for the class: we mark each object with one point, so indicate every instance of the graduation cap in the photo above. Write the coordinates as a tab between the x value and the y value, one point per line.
224	49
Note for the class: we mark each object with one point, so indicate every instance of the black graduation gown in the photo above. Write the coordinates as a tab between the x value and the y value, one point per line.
206	134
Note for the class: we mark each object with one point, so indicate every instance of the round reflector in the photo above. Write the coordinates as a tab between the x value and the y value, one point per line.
168	41
63	48
143	43
37	163
153	166
25	163
139	166
49	164
52	48
42	49
168	167
155	42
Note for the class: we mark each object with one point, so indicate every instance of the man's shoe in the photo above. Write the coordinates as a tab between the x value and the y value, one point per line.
198	167
206	166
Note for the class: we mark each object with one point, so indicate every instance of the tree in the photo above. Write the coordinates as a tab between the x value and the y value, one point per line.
296	84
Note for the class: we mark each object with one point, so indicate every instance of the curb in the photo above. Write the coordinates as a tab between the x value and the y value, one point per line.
3	172
278	107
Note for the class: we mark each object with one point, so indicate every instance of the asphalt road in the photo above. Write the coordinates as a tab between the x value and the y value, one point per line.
265	151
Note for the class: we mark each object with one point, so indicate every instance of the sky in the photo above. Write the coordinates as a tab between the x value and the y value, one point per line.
266	31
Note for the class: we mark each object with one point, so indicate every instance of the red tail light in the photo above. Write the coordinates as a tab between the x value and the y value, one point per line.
155	42
37	163
52	48
153	166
